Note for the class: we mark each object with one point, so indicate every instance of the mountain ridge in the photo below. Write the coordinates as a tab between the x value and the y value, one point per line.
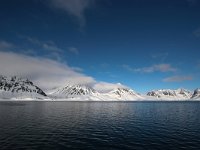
180	93
22	88
196	94
19	88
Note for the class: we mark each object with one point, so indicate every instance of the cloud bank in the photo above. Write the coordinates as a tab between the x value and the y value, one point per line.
106	87
47	73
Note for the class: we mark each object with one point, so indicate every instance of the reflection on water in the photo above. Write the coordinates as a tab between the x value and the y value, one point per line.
99	125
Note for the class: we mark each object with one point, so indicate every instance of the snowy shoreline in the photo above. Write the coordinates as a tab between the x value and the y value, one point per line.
22	89
76	100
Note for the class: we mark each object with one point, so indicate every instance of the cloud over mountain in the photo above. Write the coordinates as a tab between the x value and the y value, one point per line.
47	73
44	72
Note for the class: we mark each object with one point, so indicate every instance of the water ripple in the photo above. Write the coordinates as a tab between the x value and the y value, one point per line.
98	125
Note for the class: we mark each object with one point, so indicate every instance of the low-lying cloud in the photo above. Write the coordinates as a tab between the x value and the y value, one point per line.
44	72
47	73
106	87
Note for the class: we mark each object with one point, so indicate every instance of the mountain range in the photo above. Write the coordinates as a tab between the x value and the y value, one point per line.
15	88
168	94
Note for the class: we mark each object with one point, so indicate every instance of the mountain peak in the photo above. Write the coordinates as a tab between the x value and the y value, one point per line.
74	90
196	94
124	94
14	87
170	94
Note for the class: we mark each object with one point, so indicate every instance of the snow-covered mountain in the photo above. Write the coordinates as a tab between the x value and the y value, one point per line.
196	94
82	92
75	92
168	94
123	94
19	88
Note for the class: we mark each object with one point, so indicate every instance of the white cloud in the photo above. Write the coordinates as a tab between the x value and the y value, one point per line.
107	87
73	50
178	78
47	73
153	68
74	8
44	72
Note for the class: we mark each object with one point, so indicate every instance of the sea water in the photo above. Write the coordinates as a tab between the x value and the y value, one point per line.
100	125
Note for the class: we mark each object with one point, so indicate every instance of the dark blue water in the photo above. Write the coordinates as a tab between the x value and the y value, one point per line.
100	125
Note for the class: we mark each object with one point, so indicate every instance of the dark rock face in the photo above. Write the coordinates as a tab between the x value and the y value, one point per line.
75	90
196	93
179	93
153	93
121	91
18	85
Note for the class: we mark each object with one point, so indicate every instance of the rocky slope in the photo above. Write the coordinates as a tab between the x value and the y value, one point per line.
82	92
196	94
75	92
123	94
19	88
168	94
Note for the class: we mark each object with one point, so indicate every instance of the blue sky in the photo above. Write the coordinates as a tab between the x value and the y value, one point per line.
139	43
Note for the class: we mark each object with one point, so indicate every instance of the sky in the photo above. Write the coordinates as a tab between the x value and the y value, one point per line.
141	44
